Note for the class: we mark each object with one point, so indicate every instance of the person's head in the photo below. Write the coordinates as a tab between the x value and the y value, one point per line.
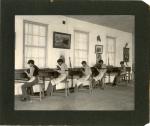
101	62
83	63
31	63
60	61
122	63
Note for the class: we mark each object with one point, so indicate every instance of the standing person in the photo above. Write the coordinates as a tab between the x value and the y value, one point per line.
33	75
122	73
63	70
84	80
101	68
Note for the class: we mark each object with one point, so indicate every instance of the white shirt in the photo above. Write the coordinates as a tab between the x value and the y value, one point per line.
63	69
87	70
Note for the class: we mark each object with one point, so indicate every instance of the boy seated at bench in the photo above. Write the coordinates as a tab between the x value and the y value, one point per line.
121	74
63	70
33	75
84	80
101	68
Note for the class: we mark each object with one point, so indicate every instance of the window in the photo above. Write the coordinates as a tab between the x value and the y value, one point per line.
81	47
35	40
111	50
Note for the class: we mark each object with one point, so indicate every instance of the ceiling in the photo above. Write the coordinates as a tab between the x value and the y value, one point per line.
120	22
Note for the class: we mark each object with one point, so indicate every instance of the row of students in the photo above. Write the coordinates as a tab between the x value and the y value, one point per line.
63	70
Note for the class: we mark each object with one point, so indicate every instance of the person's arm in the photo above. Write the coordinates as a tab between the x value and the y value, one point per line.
63	69
31	72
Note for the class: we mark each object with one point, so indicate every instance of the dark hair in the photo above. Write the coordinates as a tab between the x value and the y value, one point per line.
101	61
83	62
122	62
31	61
60	60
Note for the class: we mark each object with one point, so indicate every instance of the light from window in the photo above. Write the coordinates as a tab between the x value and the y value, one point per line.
35	35
111	50
81	48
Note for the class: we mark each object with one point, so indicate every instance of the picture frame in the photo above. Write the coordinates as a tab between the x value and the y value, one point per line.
99	49
61	40
126	54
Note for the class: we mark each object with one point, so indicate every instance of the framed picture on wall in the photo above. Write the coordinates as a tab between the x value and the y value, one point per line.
61	40
99	49
126	54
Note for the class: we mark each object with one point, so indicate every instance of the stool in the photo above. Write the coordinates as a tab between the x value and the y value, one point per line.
66	82
41	87
89	84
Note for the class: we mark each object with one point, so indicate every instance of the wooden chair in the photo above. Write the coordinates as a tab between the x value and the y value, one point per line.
101	83
41	87
125	78
66	83
90	85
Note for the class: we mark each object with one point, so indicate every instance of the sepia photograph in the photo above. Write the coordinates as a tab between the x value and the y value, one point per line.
74	62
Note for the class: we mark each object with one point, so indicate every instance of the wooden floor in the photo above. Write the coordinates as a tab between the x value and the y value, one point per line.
111	98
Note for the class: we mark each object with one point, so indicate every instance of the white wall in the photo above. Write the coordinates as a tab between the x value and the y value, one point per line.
55	24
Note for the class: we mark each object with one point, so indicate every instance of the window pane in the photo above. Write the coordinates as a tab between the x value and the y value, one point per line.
35	30
34	52
82	46
35	40
41	52
111	45
28	39
30	29
42	31
42	41
28	53
80	54
77	62
111	59
41	62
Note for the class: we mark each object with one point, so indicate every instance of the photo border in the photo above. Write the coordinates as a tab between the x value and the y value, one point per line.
9	9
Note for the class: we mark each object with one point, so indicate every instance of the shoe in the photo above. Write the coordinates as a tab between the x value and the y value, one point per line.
23	99
114	86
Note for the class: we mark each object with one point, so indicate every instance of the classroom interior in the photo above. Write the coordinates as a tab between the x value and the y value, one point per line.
90	38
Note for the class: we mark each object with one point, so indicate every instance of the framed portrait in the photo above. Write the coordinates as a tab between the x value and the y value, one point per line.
61	40
99	49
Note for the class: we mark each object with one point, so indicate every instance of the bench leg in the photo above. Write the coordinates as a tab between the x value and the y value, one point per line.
66	89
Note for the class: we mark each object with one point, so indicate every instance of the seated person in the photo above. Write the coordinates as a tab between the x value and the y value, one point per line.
84	80
32	73
63	70
101	68
121	74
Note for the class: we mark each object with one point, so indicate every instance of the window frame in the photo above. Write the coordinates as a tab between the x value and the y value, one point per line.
107	53
87	33
34	46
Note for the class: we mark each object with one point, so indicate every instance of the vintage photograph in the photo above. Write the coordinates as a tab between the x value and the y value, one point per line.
74	62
